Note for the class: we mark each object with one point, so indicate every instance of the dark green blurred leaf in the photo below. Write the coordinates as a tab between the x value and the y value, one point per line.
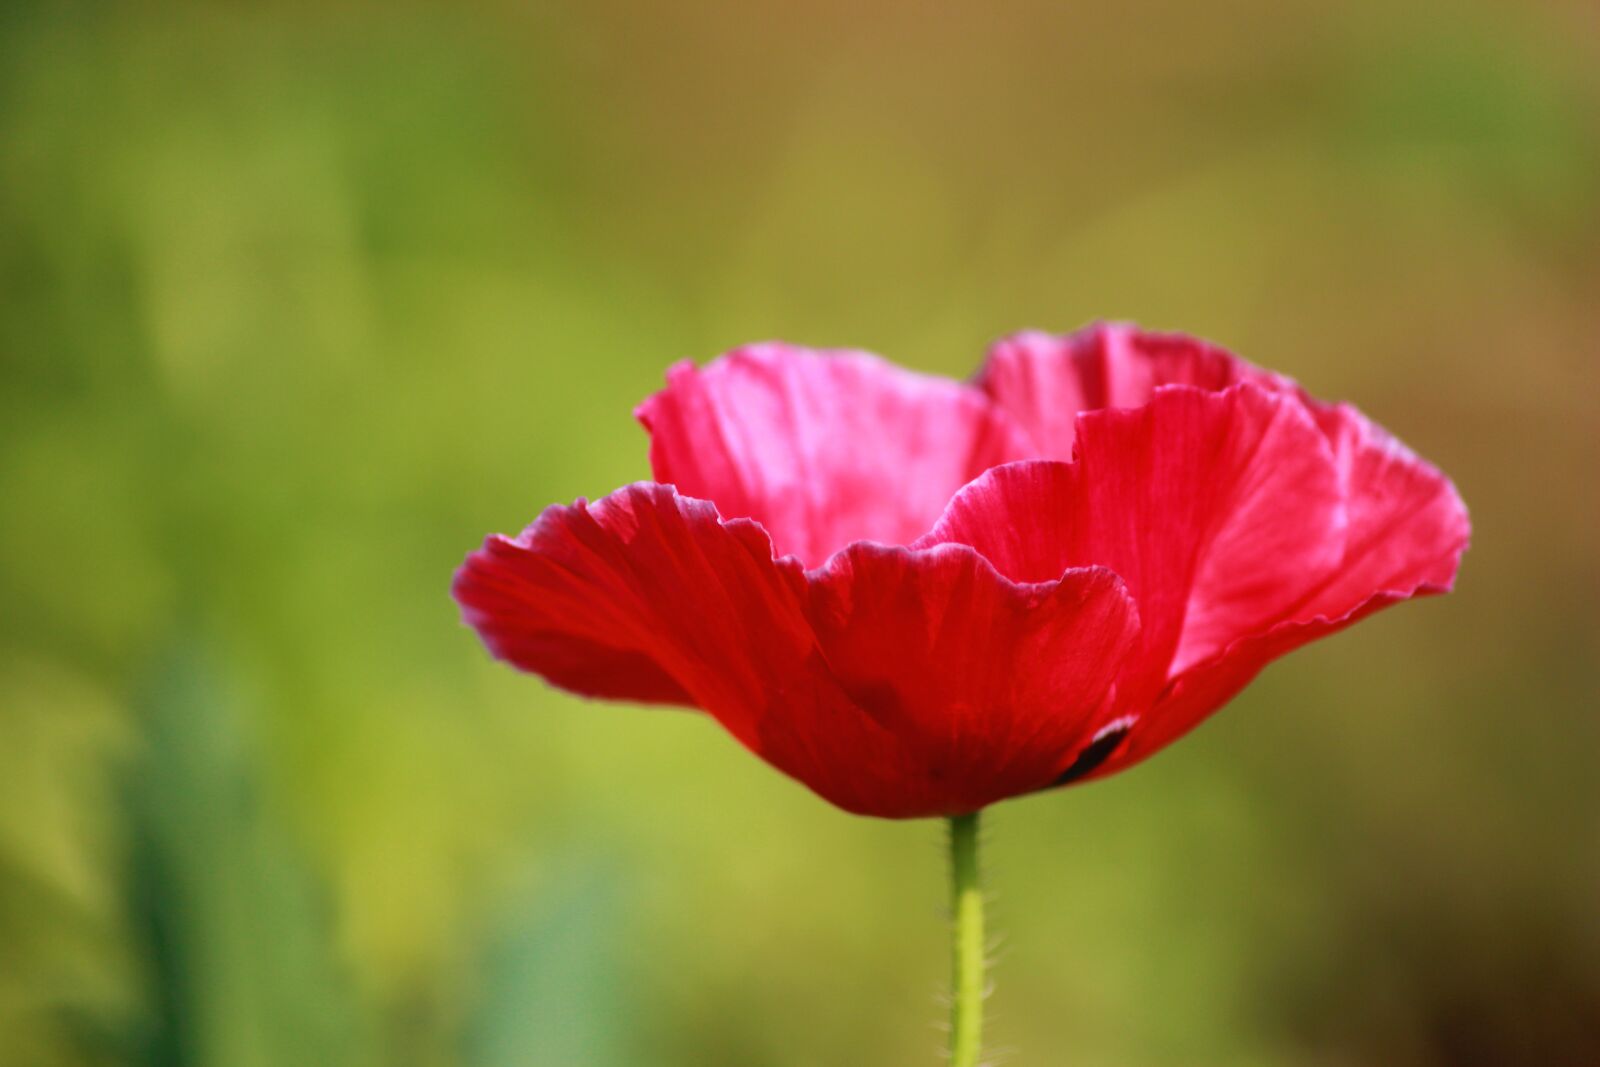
234	924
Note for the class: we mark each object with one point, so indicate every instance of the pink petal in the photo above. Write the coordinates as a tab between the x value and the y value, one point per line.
892	682
1400	527
1408	526
1221	511
1045	380
1407	531
822	447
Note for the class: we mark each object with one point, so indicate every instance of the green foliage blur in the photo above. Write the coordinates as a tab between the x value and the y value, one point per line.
299	300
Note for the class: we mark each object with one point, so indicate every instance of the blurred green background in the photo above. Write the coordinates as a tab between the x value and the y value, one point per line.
298	300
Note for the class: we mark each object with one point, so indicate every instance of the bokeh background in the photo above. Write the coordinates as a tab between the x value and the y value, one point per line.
298	300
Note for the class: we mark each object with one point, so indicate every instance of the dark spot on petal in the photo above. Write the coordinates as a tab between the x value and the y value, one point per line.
1095	752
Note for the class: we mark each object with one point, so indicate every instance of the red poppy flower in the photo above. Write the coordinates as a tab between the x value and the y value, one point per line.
919	596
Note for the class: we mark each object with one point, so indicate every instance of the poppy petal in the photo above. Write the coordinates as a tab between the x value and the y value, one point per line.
991	684
822	447
1408	529
892	682
1045	380
643	595
1221	511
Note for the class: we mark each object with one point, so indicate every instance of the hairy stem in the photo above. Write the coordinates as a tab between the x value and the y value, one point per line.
966	908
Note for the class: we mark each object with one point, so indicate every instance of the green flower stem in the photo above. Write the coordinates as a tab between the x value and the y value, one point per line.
966	907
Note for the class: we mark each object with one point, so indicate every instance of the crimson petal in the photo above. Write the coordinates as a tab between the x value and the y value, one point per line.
1408	529
1405	527
892	682
992	683
1221	511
